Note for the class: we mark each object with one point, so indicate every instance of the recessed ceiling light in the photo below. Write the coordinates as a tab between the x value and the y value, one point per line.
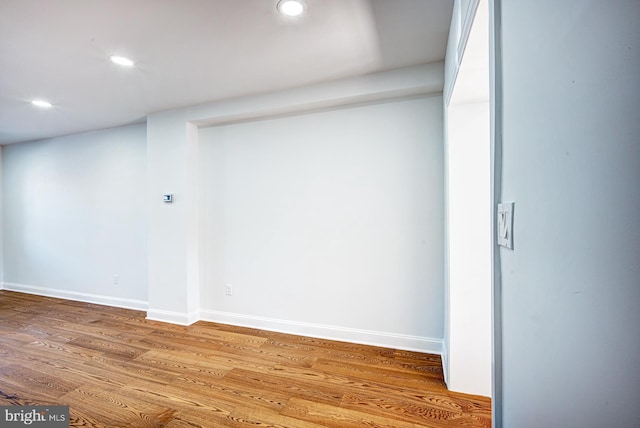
290	7
41	103
120	60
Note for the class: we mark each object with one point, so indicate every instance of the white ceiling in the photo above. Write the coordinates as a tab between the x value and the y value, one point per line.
189	52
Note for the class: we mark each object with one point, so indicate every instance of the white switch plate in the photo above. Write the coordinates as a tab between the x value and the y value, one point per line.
505	225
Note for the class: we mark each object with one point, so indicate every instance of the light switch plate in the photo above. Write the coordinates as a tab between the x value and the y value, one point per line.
505	225
167	198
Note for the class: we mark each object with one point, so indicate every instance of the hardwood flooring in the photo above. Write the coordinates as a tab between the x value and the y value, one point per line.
114	368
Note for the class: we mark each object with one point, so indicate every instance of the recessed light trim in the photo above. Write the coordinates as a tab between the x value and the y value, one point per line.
120	60
291	7
41	103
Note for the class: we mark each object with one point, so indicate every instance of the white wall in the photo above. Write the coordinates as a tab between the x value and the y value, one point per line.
571	163
467	358
469	216
74	216
331	218
174	230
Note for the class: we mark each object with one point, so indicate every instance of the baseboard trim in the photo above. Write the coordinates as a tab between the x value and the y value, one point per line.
321	331
179	318
444	357
98	299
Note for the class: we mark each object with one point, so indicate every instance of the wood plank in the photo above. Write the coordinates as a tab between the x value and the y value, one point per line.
129	411
338	417
427	410
290	386
252	417
34	383
200	419
388	377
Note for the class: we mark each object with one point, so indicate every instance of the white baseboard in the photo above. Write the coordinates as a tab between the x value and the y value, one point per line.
322	331
445	364
364	337
117	302
171	317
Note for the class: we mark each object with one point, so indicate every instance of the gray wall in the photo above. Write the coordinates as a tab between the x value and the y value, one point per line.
571	163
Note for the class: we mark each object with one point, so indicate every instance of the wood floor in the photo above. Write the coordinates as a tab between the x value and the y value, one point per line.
114	368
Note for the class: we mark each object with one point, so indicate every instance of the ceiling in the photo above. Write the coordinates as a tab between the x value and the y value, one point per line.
190	52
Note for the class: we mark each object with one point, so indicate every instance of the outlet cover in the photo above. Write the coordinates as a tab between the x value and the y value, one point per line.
505	225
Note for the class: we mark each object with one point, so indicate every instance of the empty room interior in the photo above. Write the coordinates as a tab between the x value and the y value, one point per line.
338	213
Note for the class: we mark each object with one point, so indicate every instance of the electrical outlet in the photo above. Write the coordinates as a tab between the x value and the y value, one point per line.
116	279
229	289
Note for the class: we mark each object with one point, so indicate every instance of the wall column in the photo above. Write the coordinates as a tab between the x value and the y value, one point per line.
173	230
